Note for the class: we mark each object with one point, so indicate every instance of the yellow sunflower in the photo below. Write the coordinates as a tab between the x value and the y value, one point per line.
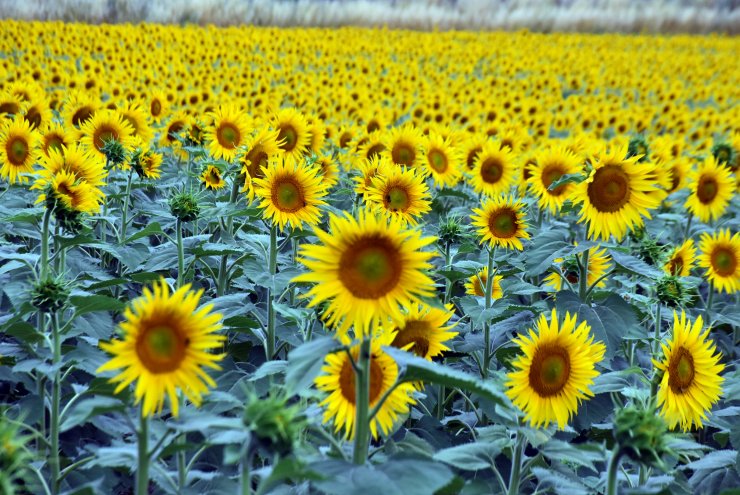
66	190
366	268
294	136
443	161
555	370
165	346
376	166
425	329
493	172
76	160
259	150
78	109
328	169
472	147
11	104
501	222
18	144
104	126
54	138
158	105
598	265
720	255
212	178
403	146
228	132
476	284
399	192
136	117
550	165
616	195
372	147
679	171
691	383
338	380
290	193
681	259
147	163
712	187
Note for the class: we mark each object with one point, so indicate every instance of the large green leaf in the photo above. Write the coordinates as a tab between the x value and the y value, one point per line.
305	362
472	456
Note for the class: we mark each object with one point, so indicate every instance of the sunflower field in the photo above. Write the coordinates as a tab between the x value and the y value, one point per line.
256	260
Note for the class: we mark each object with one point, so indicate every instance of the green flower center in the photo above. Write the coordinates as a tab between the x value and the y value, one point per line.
371	267
228	136
504	223
437	160
161	349
724	261
287	195
397	199
550	370
17	150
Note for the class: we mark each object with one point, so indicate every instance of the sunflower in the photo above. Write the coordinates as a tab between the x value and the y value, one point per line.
71	193
679	171
290	193
147	163
78	109
212	178
476	284
37	112
372	147
555	370
294	136
104	126
472	147
10	104
166	344
328	169
493	172
260	149
73	159
712	187
228	132
158	105
598	265
681	260
720	255
18	144
501	222
399	192
172	132
403	146
443	161
54	138
616	195
550	165
425	329
366	268
136	117
338	380
691	383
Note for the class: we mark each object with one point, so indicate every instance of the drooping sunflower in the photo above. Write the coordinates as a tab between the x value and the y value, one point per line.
294	135
212	178
290	193
443	161
425	329
476	284
691	383
399	192
166	344
501	222
104	126
720	255
494	169
147	163
366	268
681	259
260	149
598	265
65	190
550	165
617	195
54	138
403	146
555	370
76	160
338	380
229	131
18	143
712	187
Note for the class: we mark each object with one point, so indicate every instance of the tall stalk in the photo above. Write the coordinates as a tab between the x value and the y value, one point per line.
486	325
613	470
222	268
362	403
45	234
272	263
56	342
180	254
516	465
142	470
583	276
126	203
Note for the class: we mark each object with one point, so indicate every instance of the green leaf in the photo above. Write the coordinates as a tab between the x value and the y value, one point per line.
415	369
305	362
545	248
89	408
635	265
582	454
714	460
615	381
151	229
472	456
90	303
566	179
287	469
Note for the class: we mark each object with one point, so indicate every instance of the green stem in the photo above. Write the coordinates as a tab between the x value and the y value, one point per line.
656	336
180	254
44	268
448	283
612	471
516	465
124	212
222	269
246	482
56	340
710	300
486	325
362	399
272	263
583	276
688	227
142	470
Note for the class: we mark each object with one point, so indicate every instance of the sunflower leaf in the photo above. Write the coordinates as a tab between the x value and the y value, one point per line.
566	179
305	362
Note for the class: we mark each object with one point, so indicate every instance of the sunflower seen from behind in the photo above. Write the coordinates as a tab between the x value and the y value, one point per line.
720	256
166	344
18	144
690	382
616	195
423	330
500	222
366	268
338	381
712	187
681	260
555	370
399	192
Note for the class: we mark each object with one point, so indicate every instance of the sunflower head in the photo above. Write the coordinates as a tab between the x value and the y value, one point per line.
399	192
672	292
641	433
723	153
720	256
212	178
274	421
114	152
501	222
423	330
49	296
476	284
184	206
712	187
18	142
452	231
681	260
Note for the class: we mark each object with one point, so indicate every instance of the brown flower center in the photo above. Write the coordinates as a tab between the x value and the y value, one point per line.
287	195
17	150
228	135
403	154
503	223
707	189
491	170
724	261
161	348
551	174
609	190
347	380
397	199
415	332
103	134
155	108
437	160
681	371
370	267
550	370
289	136
81	115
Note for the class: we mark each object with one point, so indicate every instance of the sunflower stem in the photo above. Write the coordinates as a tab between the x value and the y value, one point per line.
180	254
126	203
448	283
362	402
656	337
222	269
246	469
710	300
516	465
613	471
688	227
55	401
583	277
272	261
142	470
486	325
44	263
